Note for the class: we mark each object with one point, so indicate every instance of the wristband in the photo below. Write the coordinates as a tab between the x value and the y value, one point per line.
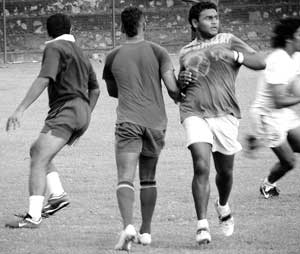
240	58
235	55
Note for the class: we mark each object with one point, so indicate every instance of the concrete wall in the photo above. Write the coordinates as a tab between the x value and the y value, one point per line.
167	24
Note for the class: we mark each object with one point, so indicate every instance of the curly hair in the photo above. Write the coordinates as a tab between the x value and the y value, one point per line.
58	24
130	18
284	30
196	9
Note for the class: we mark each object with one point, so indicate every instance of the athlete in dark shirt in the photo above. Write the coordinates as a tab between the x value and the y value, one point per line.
73	91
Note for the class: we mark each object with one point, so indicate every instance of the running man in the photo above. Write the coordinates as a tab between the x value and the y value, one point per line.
276	124
73	91
133	73
209	112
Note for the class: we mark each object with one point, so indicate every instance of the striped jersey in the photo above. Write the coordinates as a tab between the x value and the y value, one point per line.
213	94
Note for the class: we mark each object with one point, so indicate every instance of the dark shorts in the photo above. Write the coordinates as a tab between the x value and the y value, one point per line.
69	121
133	138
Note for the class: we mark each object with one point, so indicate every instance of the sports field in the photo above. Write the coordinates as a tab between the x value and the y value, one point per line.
92	222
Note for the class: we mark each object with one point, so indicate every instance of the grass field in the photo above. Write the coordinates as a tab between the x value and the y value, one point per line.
91	223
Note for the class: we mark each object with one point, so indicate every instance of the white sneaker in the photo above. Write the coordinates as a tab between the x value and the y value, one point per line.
225	219
203	236
144	239
126	238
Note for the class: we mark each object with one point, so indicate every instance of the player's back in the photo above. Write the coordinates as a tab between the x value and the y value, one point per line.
137	68
69	71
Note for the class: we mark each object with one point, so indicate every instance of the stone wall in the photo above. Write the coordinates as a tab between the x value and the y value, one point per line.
251	20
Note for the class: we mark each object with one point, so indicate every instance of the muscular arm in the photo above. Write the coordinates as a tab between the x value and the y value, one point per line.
112	88
93	97
171	84
254	61
36	89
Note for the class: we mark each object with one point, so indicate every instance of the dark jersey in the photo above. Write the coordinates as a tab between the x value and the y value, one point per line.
69	70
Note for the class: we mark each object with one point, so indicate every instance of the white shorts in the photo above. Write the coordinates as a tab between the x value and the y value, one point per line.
271	128
220	132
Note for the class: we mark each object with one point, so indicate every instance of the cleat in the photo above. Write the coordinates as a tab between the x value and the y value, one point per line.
54	204
144	239
25	222
269	191
126	238
226	221
203	236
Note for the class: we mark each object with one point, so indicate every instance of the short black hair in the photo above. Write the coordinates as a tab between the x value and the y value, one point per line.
285	29
58	24
196	9
130	18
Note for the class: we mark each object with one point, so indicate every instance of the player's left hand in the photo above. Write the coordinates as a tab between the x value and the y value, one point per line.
185	78
13	122
222	53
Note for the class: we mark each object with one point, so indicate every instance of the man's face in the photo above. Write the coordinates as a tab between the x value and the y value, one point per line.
207	24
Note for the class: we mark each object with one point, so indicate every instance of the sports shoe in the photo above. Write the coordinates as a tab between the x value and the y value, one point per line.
54	204
226	220
126	238
203	236
144	239
25	222
269	191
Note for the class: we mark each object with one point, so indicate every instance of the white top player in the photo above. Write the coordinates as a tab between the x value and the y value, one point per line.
275	123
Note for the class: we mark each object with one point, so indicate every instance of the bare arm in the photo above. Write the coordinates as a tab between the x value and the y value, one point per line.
171	85
254	61
282	98
112	88
36	89
93	97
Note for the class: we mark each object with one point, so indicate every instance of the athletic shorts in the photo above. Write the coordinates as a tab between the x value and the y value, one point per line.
220	132
68	121
271	128
133	138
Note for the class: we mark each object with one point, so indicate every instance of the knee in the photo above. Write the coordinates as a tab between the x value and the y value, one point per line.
34	151
225	172
289	164
201	168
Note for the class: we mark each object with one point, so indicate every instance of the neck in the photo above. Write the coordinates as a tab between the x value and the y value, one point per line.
203	36
137	38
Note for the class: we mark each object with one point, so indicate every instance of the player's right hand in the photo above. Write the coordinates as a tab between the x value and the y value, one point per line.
13	122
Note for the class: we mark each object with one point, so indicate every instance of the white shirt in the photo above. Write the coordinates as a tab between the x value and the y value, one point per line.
281	69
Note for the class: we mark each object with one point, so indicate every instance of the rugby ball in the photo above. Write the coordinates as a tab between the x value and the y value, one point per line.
294	87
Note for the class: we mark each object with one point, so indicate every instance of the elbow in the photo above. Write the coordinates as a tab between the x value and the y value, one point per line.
262	65
113	94
95	92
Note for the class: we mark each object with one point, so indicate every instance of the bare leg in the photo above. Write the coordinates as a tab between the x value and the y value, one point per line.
42	152
200	184
224	176
126	164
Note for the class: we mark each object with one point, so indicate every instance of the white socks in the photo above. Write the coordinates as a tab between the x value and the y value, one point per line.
54	185
202	224
224	210
36	206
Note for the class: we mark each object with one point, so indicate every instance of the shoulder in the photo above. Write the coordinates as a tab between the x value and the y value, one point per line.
155	46
224	37
278	55
111	54
185	49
